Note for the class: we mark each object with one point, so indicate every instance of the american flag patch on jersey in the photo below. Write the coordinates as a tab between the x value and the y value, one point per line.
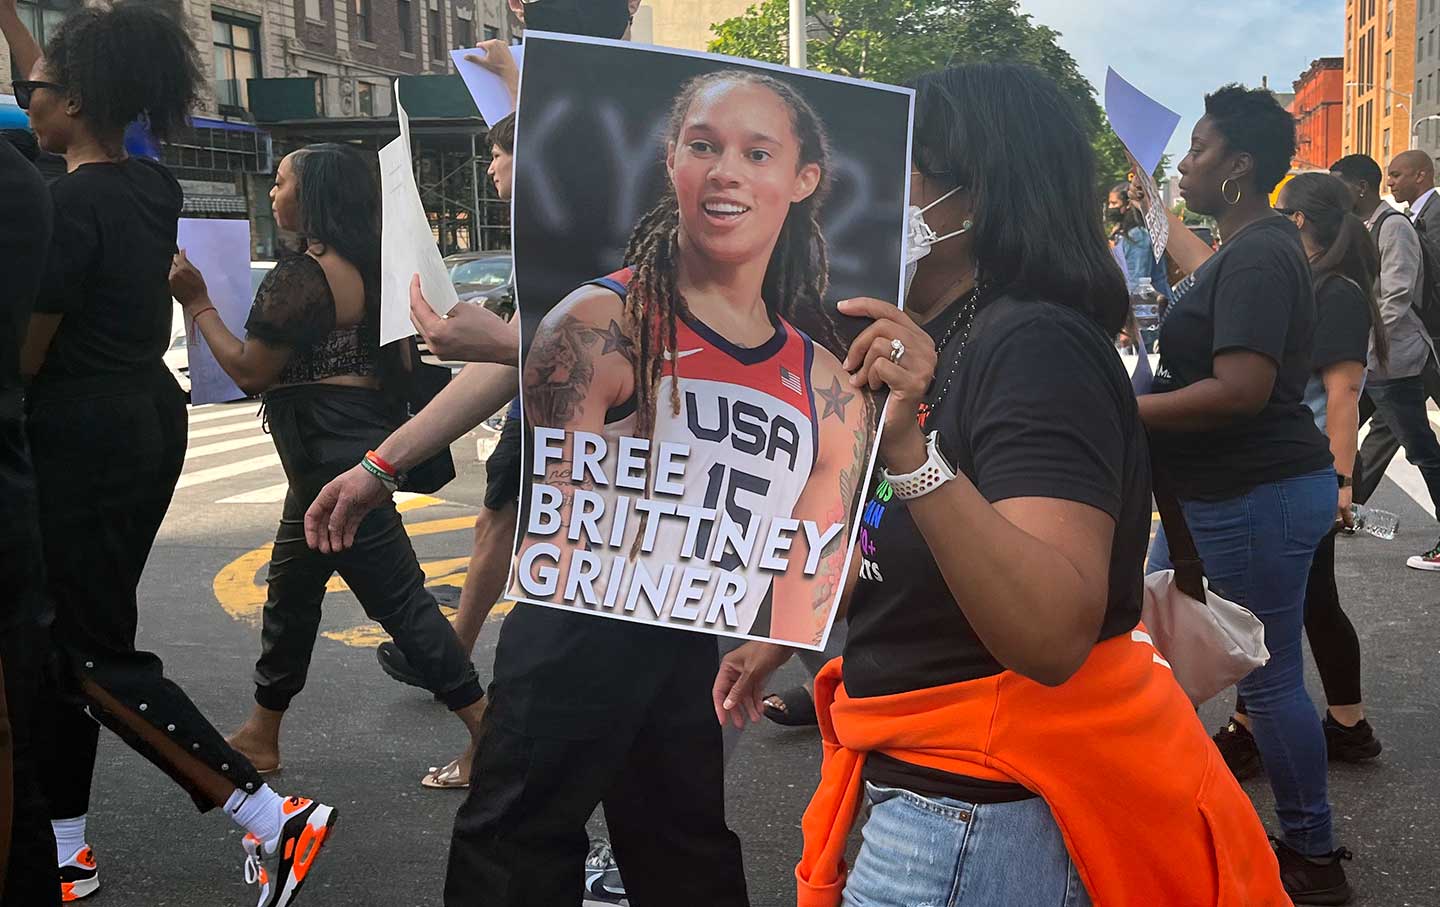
791	380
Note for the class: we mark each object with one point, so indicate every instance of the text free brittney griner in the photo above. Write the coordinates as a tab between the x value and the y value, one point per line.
607	521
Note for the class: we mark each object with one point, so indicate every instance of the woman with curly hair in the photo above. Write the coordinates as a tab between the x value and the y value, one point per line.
107	425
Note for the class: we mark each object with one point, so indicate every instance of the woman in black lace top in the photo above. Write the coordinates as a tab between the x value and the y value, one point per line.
331	395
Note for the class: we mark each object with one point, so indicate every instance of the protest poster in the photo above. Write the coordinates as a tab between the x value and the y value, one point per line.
407	245
491	96
1144	127
684	225
220	249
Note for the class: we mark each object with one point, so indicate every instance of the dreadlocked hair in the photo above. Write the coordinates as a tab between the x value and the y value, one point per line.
795	280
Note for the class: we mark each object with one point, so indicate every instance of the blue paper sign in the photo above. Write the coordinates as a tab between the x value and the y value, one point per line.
1142	123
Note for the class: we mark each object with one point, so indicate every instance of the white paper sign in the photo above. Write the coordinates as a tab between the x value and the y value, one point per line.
407	247
220	250
490	94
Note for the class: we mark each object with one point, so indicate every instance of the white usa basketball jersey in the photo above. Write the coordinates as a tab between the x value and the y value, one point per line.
748	417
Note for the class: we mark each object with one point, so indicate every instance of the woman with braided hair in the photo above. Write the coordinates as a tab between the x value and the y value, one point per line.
697	342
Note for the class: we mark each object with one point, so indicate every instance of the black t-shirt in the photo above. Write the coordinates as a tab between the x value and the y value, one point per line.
563	674
1040	407
109	268
25	225
1342	324
1254	294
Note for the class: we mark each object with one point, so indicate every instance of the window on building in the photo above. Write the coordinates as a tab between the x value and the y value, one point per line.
319	79
313	11
1385	145
1389	81
407	26
1432	42
363	29
365	99
237	60
491	33
464	35
42	18
437	32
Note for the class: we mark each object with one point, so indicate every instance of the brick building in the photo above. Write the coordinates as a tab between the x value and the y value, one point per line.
1317	108
1379	69
284	73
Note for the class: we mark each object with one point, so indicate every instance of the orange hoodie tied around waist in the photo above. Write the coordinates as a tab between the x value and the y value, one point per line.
1149	812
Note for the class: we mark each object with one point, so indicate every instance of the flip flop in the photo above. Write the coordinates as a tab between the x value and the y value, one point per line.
446	778
797	708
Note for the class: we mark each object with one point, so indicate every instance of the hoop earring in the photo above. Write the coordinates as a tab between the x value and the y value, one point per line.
1224	187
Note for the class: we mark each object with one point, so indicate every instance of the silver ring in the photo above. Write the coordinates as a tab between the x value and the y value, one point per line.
897	350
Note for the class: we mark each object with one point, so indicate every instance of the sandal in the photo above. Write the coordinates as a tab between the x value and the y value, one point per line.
793	708
447	778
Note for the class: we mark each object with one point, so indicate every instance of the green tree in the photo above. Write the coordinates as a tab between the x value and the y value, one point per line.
895	40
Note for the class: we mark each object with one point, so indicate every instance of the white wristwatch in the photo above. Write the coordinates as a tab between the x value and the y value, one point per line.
933	473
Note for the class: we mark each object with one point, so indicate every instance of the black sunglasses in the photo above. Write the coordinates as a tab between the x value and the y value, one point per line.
1288	212
25	88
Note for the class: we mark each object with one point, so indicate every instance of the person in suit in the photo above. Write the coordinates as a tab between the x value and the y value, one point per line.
1396	390
1411	180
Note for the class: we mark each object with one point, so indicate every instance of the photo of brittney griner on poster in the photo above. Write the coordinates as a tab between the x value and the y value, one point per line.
684	226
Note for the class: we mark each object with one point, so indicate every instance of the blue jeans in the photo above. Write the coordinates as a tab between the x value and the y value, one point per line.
1257	550
931	852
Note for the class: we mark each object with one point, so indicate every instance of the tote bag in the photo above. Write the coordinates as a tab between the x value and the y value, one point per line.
1209	641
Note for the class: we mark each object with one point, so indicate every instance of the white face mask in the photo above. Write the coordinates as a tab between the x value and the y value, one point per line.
919	237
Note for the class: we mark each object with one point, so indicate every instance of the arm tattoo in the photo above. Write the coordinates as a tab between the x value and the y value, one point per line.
561	365
830	575
835	399
558	475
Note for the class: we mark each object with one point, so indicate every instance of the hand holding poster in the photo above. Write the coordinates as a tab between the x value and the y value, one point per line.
695	454
1144	126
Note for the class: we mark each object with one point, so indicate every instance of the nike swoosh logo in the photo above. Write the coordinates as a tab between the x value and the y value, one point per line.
681	354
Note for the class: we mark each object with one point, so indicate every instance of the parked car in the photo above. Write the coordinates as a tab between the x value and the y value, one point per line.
177	357
487	278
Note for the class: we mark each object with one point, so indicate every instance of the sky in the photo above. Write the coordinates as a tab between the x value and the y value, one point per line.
1178	50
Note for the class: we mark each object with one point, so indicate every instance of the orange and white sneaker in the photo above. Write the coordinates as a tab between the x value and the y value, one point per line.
79	877
281	872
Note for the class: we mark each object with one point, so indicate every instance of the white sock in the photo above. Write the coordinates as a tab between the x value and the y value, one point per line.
258	813
69	837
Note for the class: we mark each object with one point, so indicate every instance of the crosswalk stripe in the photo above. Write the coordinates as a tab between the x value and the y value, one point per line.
225	413
219	447
228	429
216	473
270	494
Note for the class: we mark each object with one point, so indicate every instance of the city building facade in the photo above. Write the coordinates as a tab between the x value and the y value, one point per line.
1318	106
342	59
1379	76
1427	77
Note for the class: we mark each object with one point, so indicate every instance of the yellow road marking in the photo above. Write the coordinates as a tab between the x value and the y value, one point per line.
240	587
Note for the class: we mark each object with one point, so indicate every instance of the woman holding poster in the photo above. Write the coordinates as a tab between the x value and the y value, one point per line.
998	704
707	448
332	394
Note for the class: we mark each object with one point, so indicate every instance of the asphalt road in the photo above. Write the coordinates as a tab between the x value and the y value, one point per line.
360	741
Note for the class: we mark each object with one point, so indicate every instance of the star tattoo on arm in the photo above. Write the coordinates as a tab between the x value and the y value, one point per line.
616	341
835	399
